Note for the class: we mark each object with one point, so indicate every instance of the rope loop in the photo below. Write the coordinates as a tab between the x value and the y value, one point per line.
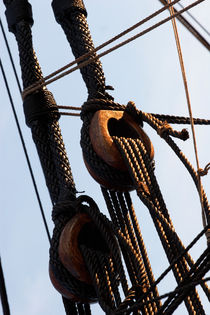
93	105
134	112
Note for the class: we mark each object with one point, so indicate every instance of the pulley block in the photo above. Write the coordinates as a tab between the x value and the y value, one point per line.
82	231
104	125
69	251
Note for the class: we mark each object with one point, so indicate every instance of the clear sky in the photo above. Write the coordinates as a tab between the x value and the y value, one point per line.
146	71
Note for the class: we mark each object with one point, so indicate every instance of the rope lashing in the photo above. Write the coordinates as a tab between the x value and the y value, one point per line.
18	11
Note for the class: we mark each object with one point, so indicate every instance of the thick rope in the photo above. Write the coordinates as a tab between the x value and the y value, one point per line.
42	116
165	230
123	216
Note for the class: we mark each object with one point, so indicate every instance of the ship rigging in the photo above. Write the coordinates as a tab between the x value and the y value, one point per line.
126	95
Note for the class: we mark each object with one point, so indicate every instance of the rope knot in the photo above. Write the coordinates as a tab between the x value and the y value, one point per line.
203	172
134	112
164	129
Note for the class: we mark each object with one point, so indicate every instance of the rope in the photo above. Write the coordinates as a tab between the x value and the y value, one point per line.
161	277
190	28
81	58
19	128
10	56
135	254
3	293
152	199
25	152
181	61
69	108
178	290
42	116
196	21
46	80
106	269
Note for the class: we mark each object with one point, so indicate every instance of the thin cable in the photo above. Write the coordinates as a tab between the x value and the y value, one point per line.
19	129
196	21
10	56
181	61
69	107
82	58
3	293
190	28
69	114
25	150
46	81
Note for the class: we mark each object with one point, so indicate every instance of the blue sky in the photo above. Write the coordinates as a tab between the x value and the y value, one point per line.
147	72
